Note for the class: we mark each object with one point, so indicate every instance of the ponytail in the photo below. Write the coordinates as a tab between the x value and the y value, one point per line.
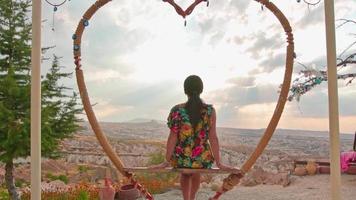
193	87
193	107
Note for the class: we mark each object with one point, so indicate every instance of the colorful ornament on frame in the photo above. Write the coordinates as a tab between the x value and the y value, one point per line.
308	79
311	78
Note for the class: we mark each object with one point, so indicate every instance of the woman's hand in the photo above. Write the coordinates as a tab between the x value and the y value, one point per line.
160	166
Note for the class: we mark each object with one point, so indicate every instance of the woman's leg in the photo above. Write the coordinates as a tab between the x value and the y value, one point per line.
185	183
195	185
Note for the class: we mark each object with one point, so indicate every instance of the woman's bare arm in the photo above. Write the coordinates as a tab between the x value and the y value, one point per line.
171	143
214	142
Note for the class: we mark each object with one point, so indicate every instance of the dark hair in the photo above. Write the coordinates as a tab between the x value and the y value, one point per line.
193	87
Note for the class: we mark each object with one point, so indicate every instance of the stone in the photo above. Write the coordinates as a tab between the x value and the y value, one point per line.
300	171
311	167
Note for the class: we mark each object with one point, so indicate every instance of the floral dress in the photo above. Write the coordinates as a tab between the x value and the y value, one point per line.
192	149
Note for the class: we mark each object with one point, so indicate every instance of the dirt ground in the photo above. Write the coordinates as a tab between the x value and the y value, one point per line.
302	188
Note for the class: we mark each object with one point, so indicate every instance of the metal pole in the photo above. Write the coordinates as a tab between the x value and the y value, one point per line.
335	174
36	101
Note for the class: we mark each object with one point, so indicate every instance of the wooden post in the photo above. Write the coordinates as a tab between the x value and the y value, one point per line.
36	101
335	173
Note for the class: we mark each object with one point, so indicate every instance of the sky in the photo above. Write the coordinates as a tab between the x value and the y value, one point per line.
136	55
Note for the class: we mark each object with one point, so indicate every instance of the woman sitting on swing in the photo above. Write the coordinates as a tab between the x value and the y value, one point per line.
192	142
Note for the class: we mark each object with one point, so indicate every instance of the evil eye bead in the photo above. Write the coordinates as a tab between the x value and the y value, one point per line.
86	22
74	36
76	47
318	81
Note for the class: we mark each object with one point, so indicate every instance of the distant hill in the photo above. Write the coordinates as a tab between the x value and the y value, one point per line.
291	142
145	120
155	128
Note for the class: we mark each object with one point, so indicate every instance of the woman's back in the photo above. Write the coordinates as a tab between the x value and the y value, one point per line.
192	141
192	149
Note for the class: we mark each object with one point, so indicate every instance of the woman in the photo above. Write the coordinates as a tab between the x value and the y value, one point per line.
192	142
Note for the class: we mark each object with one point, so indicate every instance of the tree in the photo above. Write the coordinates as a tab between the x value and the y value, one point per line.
59	110
59	104
311	77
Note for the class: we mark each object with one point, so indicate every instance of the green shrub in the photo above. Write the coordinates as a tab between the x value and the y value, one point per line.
20	183
49	175
156	158
83	168
61	177
83	195
4	195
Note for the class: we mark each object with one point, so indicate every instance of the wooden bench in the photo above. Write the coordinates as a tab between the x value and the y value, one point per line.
180	170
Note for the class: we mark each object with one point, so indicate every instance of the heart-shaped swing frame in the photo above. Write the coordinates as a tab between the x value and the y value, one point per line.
232	179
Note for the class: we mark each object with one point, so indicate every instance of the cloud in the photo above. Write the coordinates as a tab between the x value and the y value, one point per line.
105	42
347	99
247	81
311	17
147	95
230	6
103	75
238	40
121	92
241	6
241	103
263	43
249	116
270	64
206	24
212	28
119	99
216	21
240	96
105	111
135	53
315	102
320	63
216	38
232	101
